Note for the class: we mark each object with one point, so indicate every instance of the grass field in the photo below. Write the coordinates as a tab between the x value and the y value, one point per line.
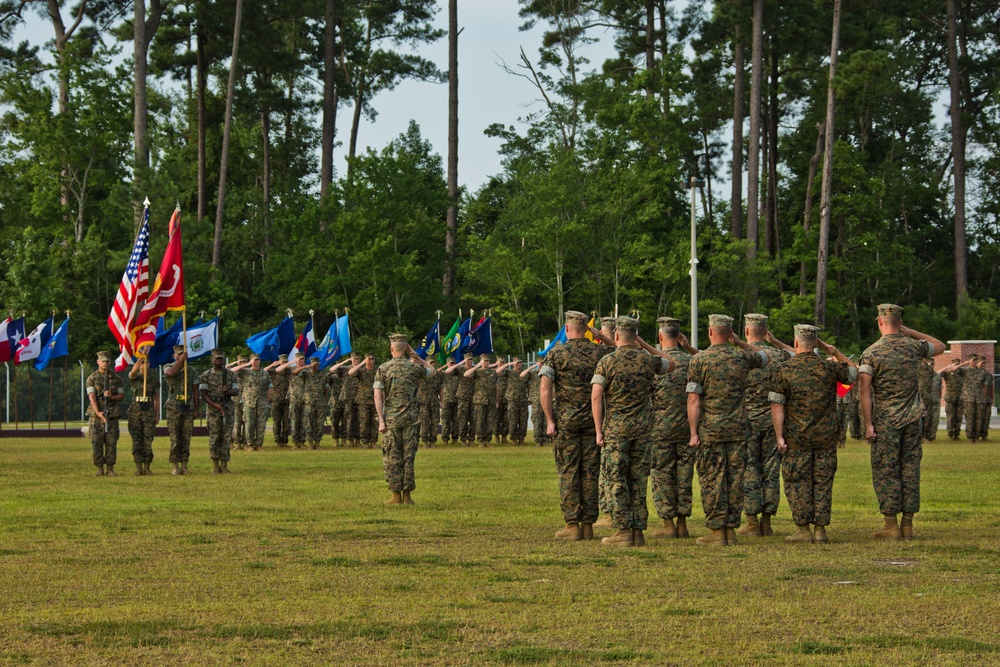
293	560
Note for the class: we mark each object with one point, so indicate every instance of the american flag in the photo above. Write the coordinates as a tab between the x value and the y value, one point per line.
135	286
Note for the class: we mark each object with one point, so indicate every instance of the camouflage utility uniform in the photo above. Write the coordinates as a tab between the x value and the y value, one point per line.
537	415
279	405
398	378
180	417
516	399
953	381
762	477
466	388
314	408
484	398
334	384
217	384
672	465
930	394
365	402
104	435
428	395
142	418
253	394
349	389
449	407
297	407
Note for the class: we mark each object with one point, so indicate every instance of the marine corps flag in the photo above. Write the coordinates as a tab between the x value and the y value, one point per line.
430	346
167	293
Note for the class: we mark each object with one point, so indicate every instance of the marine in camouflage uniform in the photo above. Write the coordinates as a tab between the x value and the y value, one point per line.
890	400
854	413
297	401
104	391
484	398
535	399
239	438
348	391
608	325
218	386
977	392
180	413
500	425
449	402
986	400
803	398
843	404
395	392
255	392
930	394
565	391
762	477
463	395
428	396
279	400
314	412
672	456
338	416
516	398
953	377
364	400
718	426
143	413
620	398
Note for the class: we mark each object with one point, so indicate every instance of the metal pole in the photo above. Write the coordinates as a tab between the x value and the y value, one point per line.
83	392
7	385
694	269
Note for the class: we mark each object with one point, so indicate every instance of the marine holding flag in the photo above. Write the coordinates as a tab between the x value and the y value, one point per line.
167	293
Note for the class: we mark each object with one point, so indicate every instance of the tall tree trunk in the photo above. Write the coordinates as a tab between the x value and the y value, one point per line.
143	30
265	131
661	6
753	160
958	156
359	103
822	257
773	246
220	208
451	224
201	68
807	219
708	174
329	102
765	182
650	49
739	96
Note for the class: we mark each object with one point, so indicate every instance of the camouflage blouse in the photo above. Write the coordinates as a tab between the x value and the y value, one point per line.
97	383
719	375
571	367
893	362
398	378
807	386
670	400
627	377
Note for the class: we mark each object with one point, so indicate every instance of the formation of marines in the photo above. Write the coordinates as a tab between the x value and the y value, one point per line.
745	413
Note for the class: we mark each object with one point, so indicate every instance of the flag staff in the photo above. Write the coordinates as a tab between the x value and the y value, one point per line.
65	387
145	364
54	311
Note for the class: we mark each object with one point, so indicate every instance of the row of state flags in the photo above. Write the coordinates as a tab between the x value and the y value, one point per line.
42	345
282	340
464	339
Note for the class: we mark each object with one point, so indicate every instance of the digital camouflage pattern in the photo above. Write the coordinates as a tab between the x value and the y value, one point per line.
142	418
762	477
719	374
537	415
758	406
484	387
953	408
364	402
500	426
449	406
428	396
670	400
571	367
314	404
348	390
365	394
398	379
104	435
975	403
672	458
254	398
216	383
466	388
280	382
807	386
720	475
180	417
516	397
334	384
809	477
854	413
897	412
930	395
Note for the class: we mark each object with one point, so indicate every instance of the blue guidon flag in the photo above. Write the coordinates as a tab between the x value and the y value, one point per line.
453	346
431	344
479	340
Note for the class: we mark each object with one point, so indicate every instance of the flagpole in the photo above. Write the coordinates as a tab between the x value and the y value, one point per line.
50	380
184	326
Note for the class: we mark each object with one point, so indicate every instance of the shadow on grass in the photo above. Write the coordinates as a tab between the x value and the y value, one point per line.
535	655
108	634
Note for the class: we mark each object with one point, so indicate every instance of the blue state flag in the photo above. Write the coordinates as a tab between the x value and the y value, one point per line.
479	340
453	346
279	340
335	344
58	346
559	340
431	344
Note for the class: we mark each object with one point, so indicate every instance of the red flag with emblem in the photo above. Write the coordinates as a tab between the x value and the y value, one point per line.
167	293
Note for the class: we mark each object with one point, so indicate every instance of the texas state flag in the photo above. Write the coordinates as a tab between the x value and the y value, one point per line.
306	344
11	333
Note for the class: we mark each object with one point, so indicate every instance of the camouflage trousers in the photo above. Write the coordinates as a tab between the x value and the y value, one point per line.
895	456
578	462
808	477
841	422
427	425
538	424
720	475
141	428
627	475
239	426
179	425
337	429
313	418
435	416
296	420
349	426
481	418
953	411
974	422
672	470
466	431
762	477
932	418
367	423
255	423
104	441
279	422
500	425
220	432
399	451
854	420
449	422
603	485
985	412
517	420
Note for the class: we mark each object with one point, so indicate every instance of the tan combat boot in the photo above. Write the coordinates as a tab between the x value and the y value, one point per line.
176	470
731	537
802	535
906	526
216	468
765	525
716	538
890	531
572	532
407	500
623	538
184	468
638	539
100	471
752	527
225	467
587	530
396	499
603	522
111	472
819	535
667	530
145	469
682	527
138	470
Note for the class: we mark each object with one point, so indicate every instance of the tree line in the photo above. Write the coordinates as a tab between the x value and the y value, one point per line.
860	140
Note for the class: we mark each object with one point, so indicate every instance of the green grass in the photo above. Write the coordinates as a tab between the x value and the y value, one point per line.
294	560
